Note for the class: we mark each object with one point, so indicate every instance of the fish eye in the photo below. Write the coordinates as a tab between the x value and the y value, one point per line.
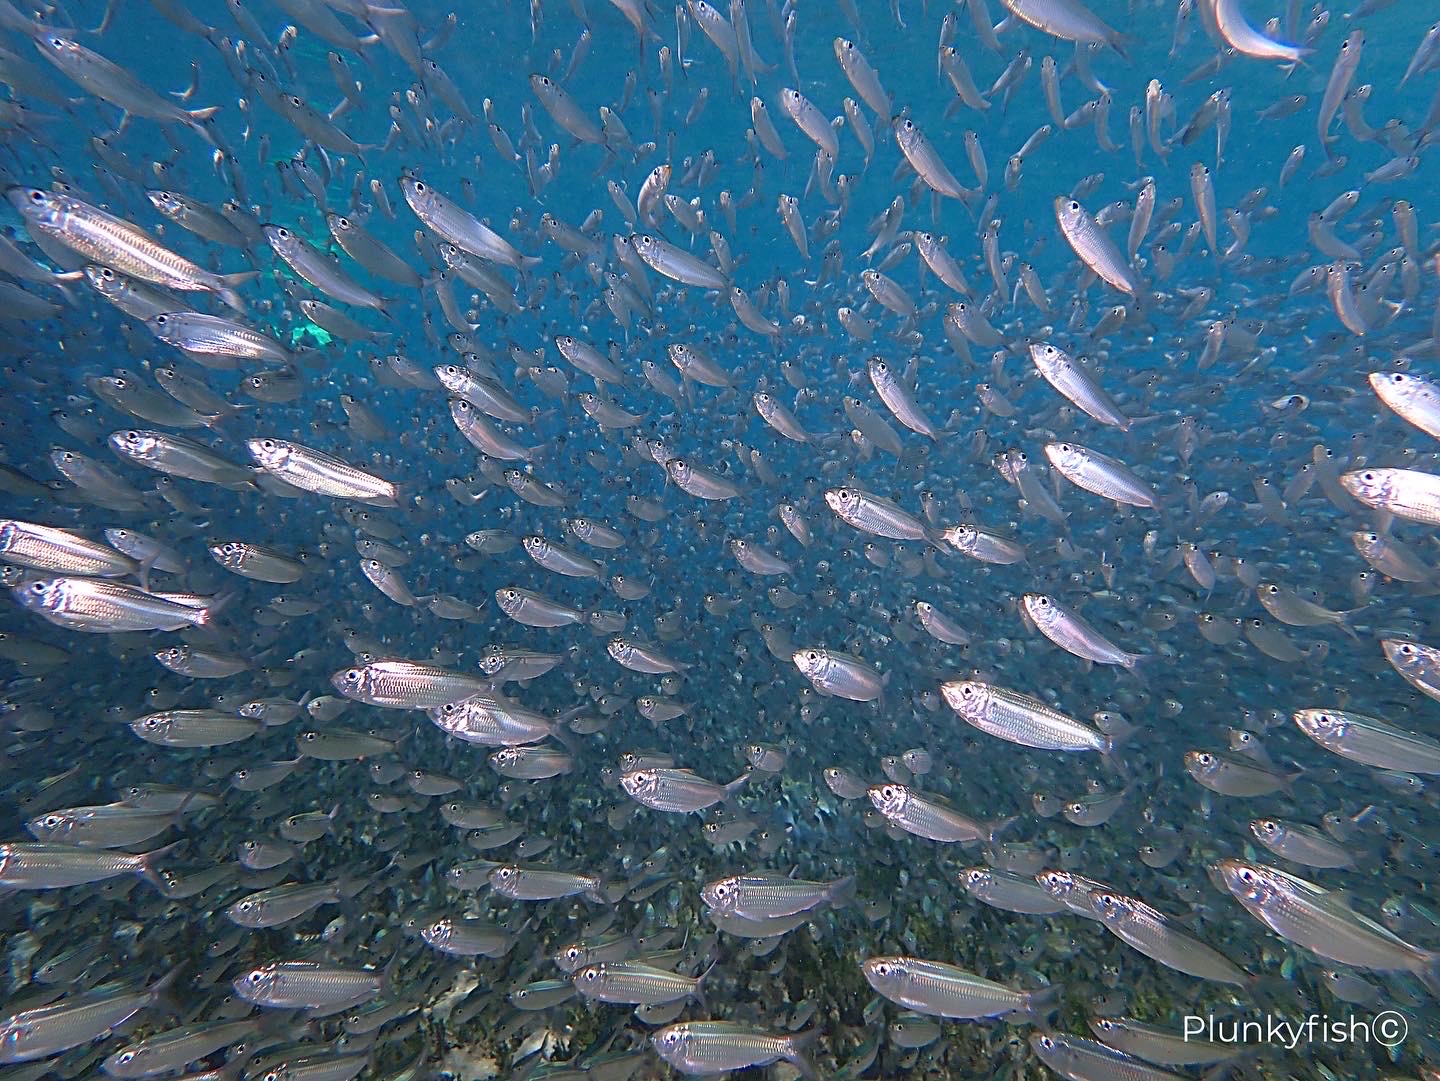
1074	205
161	320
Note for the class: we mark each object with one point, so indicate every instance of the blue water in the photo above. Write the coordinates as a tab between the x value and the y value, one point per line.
854	592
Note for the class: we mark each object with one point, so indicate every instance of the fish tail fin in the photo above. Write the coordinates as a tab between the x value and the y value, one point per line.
207	614
1430	974
1042	1004
996	827
198	120
1290	778
699	993
738	783
560	730
229	283
842	892
161	988
797	1048
1140	665
148	861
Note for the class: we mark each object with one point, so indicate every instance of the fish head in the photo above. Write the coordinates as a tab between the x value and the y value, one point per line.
1069	212
418	194
1040	608
45	208
590	978
640	783
888	799
257	984
1323	726
247	911
679	470
1201	764
1267	831
269	454
135	444
1399	652
1249	883
967	697
506	876
353	682
281	238
813	663
1108	906
722	894
1370	486
670	1042
1063	456
43	595
884	973
51	826
1056	883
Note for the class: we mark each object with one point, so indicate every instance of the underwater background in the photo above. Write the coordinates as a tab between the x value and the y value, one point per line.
960	434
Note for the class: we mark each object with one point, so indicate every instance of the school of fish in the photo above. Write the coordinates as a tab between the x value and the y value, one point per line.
597	540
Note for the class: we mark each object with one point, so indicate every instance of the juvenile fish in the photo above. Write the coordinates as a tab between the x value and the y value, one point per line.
840	674
313	471
103	607
1069	630
398	684
678	791
940	990
716	1047
927	817
1019	719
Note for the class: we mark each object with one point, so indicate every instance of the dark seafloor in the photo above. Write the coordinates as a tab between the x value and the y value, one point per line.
992	445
